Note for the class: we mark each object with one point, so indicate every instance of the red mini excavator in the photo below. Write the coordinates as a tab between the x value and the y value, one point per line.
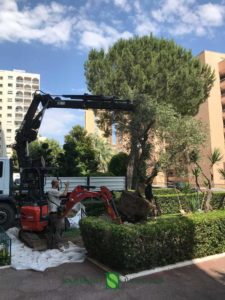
31	199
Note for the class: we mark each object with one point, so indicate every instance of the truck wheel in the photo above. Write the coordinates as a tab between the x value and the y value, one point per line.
7	216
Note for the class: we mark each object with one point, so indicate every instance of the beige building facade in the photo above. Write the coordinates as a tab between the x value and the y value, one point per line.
211	113
16	93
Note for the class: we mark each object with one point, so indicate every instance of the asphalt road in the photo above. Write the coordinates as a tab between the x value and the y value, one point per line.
87	281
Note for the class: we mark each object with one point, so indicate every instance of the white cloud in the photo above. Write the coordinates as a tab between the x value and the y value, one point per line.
58	122
212	14
93	35
123	4
97	23
48	24
180	17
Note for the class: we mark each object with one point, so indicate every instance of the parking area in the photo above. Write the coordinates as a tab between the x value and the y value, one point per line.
86	281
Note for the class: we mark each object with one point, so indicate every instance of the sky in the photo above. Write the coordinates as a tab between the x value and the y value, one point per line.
53	39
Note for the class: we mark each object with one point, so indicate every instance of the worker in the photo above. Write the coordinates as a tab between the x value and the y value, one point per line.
148	189
150	197
55	222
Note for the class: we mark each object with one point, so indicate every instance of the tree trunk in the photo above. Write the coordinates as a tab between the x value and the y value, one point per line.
132	167
207	203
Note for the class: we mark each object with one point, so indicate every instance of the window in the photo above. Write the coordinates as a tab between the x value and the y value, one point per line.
113	135
1	168
9	99
9	115
10	84
0	92
0	115
10	92
0	108
1	85
1	77
10	77
0	100
9	130
9	107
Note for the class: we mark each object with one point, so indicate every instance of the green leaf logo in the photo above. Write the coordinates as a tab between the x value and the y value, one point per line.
112	280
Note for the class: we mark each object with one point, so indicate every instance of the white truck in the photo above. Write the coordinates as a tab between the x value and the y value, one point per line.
8	207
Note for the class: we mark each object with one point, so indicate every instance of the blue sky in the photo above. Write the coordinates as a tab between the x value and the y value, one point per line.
53	38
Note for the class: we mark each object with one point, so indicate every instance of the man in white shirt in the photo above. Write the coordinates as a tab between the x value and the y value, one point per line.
55	222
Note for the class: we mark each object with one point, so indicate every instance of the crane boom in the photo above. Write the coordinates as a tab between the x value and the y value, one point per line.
28	130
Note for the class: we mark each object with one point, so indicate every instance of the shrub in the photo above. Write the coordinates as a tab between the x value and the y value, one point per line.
94	207
118	164
164	191
165	241
170	203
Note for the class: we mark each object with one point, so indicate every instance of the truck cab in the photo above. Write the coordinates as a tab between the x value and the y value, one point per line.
7	201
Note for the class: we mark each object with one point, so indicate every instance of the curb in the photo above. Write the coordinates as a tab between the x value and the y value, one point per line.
5	267
128	277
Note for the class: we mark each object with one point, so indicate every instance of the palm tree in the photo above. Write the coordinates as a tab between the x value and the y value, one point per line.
104	152
214	158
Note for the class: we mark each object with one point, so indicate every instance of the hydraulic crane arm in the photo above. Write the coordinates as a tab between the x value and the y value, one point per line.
28	130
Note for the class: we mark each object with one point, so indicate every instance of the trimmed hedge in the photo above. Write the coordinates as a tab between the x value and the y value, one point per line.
167	240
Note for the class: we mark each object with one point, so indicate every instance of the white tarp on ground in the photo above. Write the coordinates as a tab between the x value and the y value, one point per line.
24	257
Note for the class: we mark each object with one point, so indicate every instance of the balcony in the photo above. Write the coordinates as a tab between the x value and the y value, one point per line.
19	95
19	109
27	101
19	79
19	100
18	116
27	94
27	87
35	81
35	87
19	86
17	123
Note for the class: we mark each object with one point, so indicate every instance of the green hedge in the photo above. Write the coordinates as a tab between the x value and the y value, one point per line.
167	240
170	203
164	191
94	207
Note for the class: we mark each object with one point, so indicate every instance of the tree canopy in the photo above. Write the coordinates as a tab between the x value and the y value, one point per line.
155	73
79	157
49	149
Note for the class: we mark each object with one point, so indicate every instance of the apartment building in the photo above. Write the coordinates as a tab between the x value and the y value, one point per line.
16	90
211	112
91	127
